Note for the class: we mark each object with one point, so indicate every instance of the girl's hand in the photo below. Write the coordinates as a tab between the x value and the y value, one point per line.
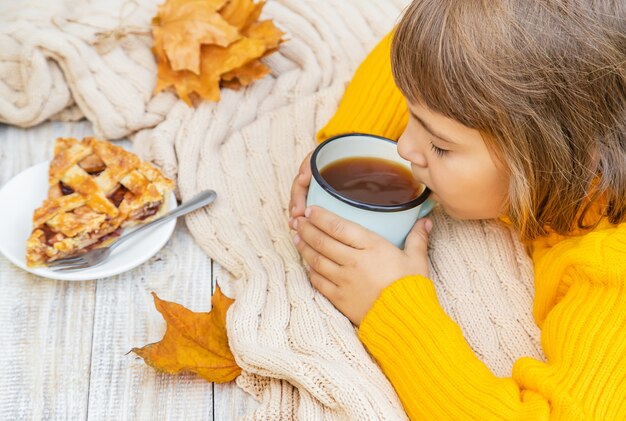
299	189
351	265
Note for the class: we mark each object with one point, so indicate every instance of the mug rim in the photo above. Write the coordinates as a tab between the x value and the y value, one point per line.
357	203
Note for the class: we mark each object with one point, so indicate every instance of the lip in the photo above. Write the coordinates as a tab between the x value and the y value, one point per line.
356	203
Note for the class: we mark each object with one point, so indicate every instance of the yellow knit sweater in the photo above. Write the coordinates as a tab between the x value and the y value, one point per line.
580	306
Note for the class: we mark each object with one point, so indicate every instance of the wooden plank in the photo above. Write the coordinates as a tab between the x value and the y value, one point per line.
45	340
122	386
229	401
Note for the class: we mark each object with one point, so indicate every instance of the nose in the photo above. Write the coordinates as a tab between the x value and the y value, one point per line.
411	150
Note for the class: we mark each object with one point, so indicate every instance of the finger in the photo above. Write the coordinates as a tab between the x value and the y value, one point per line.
325	244
300	187
322	284
316	261
298	200
417	241
344	231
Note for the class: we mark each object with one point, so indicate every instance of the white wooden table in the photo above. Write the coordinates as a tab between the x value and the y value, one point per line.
64	345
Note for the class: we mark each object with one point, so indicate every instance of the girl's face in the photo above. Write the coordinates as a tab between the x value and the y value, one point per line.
454	162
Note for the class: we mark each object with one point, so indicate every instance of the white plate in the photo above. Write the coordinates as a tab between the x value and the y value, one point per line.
26	192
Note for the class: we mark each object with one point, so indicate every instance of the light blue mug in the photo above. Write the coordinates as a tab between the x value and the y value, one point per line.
393	222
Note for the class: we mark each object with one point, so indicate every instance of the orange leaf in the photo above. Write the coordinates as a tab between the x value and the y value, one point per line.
168	77
215	62
193	342
190	57
244	75
241	13
183	25
253	70
266	31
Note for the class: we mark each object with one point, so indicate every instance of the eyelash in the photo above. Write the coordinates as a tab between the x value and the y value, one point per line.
440	152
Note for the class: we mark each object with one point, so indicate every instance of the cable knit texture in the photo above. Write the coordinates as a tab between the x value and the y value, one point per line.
66	59
300	357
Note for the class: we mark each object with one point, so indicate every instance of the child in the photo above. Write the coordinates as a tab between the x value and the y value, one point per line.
516	109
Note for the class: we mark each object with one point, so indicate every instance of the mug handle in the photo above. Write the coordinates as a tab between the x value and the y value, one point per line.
426	207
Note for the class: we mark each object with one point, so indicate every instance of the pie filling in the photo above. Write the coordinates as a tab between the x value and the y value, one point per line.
105	238
65	189
147	211
118	195
50	236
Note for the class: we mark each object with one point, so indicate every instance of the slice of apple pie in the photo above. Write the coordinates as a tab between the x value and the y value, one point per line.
96	190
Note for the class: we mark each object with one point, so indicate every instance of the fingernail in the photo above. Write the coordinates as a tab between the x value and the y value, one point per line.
428	225
296	239
295	224
307	212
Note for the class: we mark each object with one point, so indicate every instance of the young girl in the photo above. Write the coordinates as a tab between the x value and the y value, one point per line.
516	110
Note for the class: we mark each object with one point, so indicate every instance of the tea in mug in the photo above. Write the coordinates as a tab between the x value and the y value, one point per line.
374	181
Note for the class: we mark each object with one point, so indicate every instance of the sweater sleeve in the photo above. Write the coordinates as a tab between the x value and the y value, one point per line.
580	306
372	103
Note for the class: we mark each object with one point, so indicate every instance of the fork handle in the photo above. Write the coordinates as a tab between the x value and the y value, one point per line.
201	199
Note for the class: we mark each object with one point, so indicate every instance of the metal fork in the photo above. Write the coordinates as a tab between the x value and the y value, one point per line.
96	256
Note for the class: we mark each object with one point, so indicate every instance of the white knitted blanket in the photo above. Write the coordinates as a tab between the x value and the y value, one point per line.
300	357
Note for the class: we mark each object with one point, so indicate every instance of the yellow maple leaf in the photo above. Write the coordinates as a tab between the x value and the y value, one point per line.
244	75
183	26
266	31
199	66
215	62
193	342
253	70
167	77
241	13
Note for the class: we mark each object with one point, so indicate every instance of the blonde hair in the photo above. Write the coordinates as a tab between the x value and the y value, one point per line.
544	81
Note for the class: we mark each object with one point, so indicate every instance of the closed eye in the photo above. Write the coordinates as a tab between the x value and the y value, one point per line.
440	152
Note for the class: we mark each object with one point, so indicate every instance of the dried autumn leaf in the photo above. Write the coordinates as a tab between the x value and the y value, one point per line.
192	71
168	77
183	25
193	342
241	13
249	72
266	31
244	75
217	61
